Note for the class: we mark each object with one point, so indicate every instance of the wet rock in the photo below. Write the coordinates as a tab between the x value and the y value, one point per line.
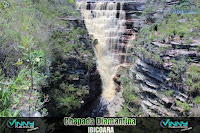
117	87
116	80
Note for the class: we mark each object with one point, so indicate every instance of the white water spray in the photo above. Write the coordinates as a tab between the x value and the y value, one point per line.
103	24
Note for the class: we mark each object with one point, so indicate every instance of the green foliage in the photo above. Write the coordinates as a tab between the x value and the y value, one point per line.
169	93
69	98
131	98
67	92
179	104
30	30
154	26
158	59
196	87
130	93
197	100
28	59
170	27
194	72
123	113
5	101
65	44
4	5
183	32
171	74
179	68
189	41
172	60
29	78
193	78
188	81
56	8
149	12
186	107
71	1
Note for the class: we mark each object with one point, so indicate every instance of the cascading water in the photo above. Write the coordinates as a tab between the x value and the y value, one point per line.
106	24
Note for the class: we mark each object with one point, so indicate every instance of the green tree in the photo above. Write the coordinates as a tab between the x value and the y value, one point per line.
29	79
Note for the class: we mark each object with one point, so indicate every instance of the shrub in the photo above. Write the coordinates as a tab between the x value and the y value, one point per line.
158	59
194	68
123	113
196	87
197	100
186	107
188	81
5	101
189	41
71	1
69	98
149	12
171	75
179	104
169	93
179	68
193	78
183	32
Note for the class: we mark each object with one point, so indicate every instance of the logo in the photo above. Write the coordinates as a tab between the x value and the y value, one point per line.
167	123
185	7
13	123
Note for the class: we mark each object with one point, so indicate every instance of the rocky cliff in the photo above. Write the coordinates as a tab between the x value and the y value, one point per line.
160	67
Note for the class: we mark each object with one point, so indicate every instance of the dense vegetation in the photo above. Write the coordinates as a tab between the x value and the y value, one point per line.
131	94
33	39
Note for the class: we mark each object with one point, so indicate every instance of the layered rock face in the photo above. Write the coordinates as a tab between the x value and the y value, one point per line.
153	77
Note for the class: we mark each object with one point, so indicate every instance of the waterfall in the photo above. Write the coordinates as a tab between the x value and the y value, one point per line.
106	24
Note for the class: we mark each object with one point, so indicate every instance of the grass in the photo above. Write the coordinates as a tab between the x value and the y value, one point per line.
193	78
71	1
169	93
170	27
185	105
123	113
197	100
55	38
158	59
